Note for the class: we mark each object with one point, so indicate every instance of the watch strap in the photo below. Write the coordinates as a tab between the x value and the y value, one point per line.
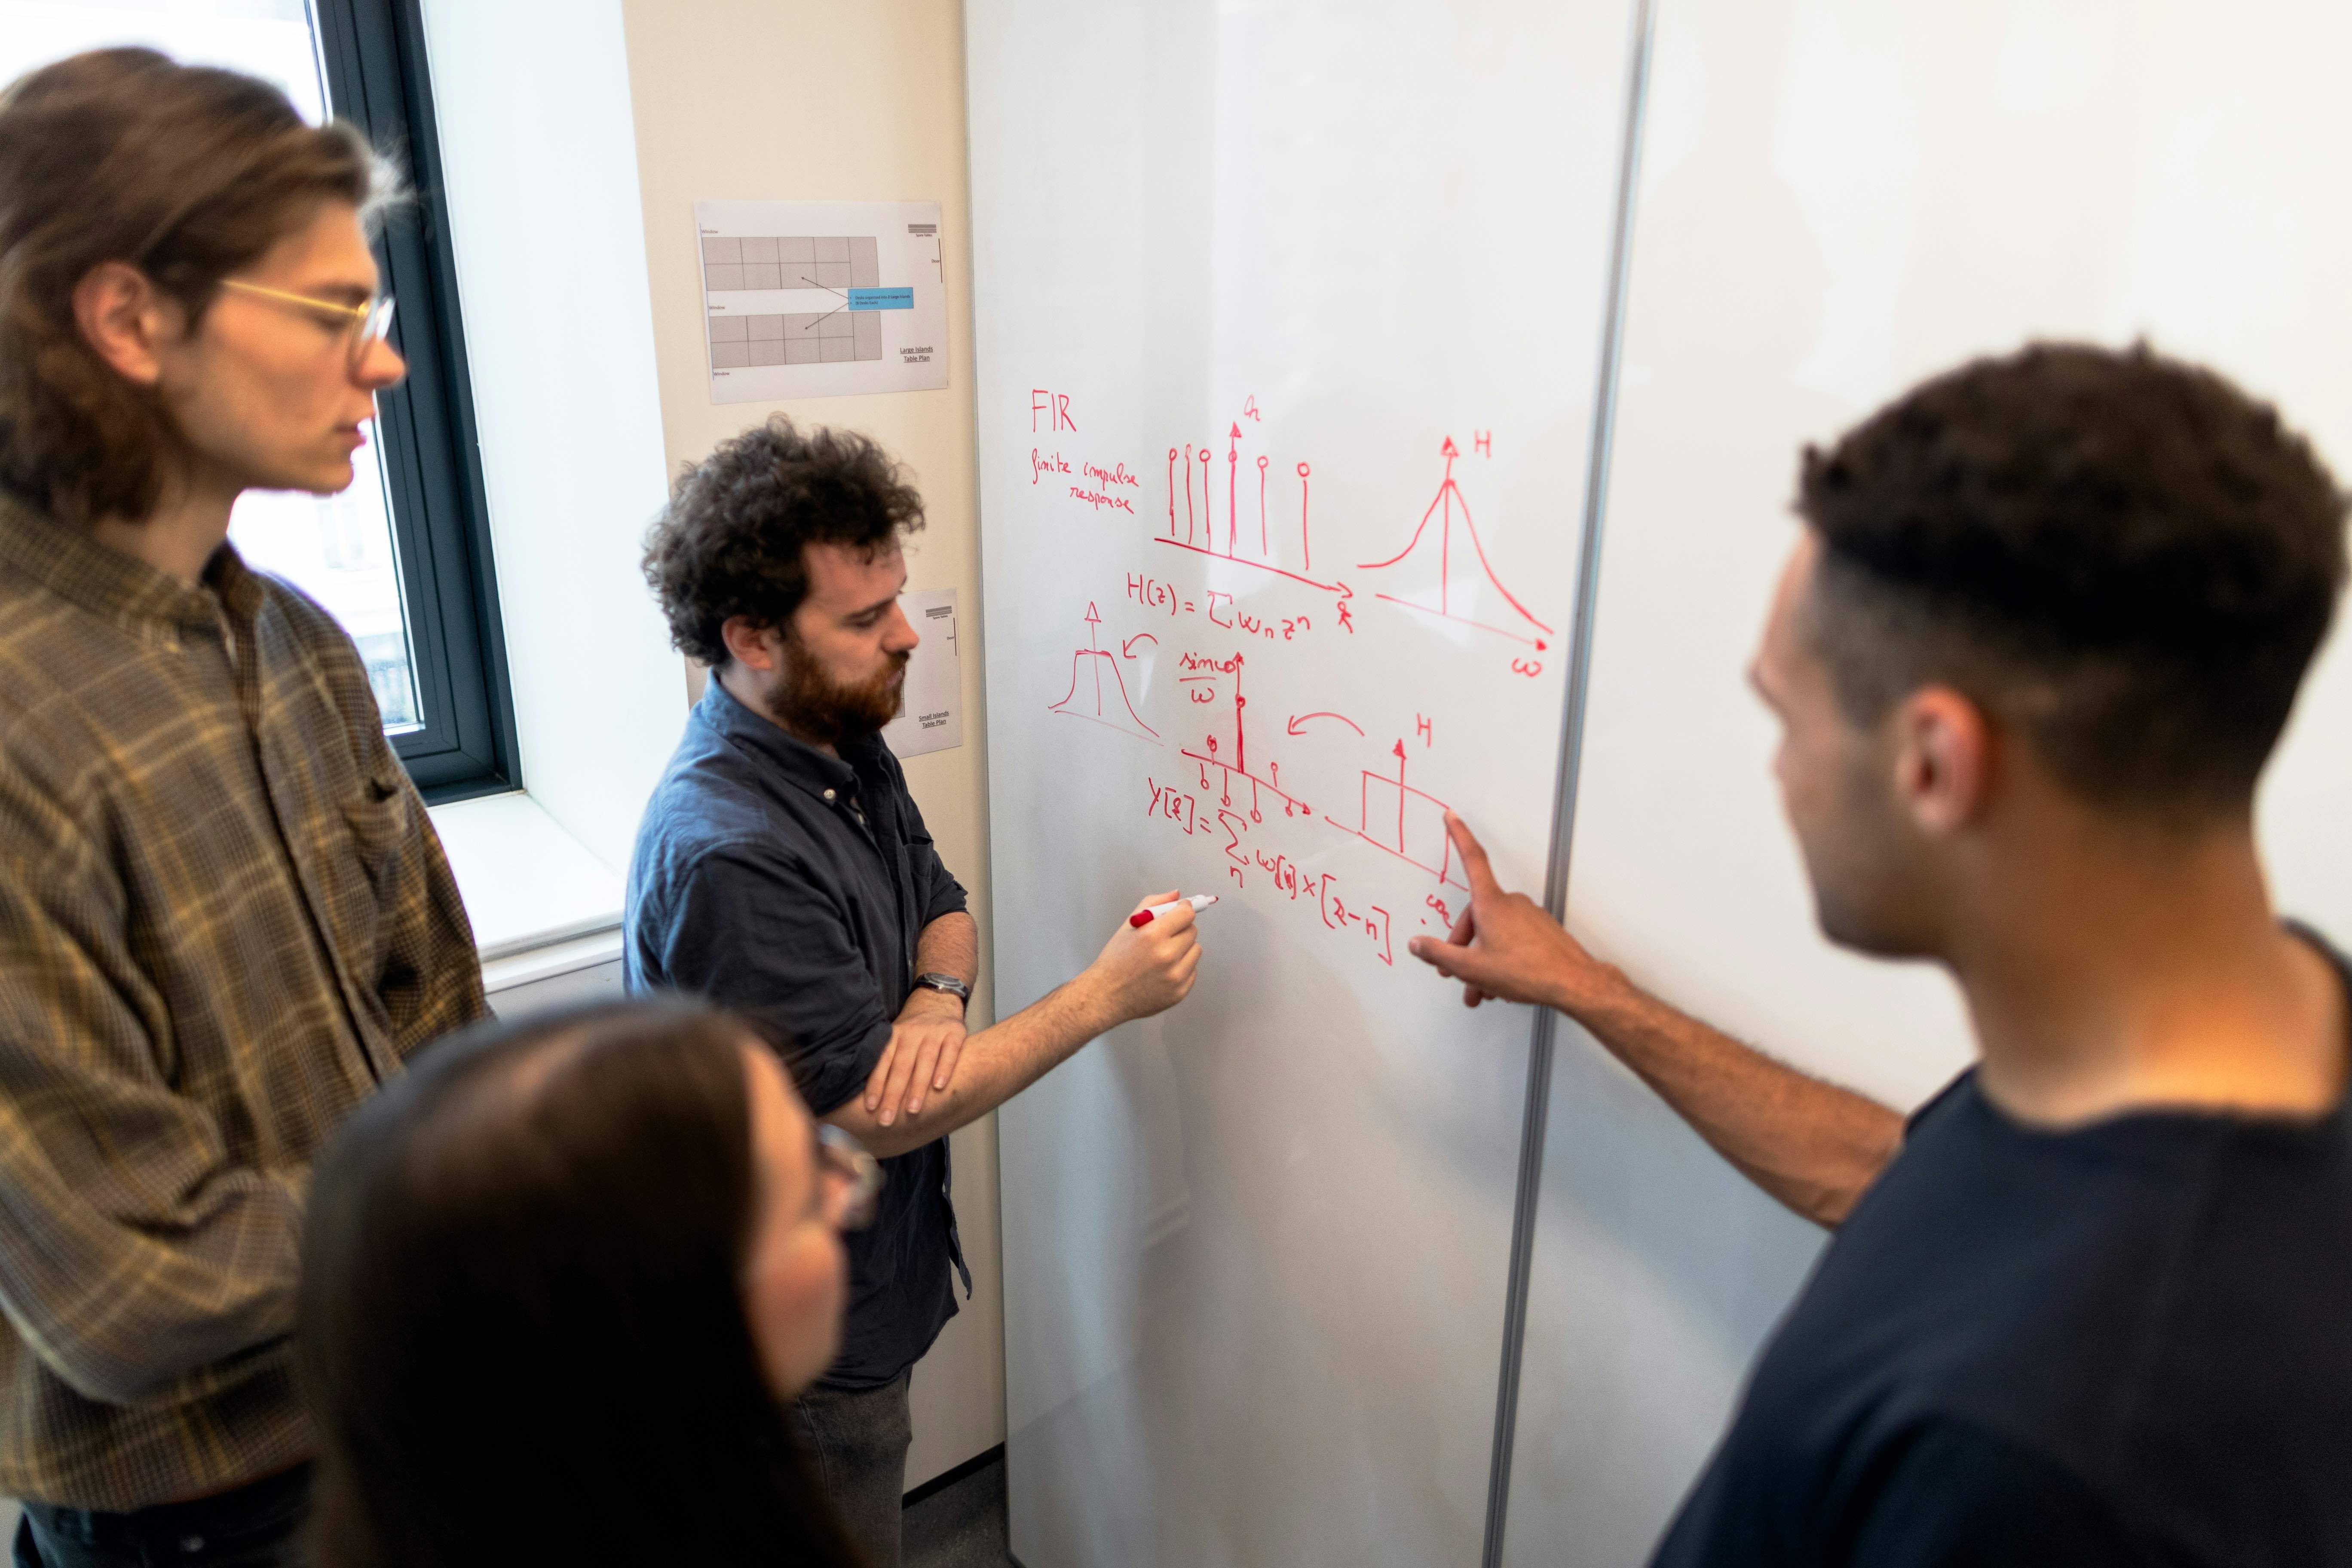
947	983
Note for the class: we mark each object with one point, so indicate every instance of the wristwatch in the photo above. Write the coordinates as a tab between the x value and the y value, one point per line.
949	984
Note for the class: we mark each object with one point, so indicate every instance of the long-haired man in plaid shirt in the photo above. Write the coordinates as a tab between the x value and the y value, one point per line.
224	915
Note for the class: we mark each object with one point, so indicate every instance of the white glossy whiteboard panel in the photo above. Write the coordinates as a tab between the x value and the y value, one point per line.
1836	199
1256	1252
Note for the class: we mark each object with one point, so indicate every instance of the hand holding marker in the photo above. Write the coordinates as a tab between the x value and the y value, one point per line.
1150	961
1149	913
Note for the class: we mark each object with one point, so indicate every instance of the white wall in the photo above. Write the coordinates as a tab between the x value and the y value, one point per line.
541	172
808	99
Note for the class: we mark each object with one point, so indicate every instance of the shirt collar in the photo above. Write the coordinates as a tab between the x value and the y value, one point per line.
812	770
76	567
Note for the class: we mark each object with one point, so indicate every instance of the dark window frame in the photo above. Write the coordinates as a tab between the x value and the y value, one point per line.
374	54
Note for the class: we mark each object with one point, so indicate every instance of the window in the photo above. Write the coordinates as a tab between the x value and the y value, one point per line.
402	558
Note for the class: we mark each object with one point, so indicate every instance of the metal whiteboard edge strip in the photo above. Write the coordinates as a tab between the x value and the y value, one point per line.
1515	1310
1571	747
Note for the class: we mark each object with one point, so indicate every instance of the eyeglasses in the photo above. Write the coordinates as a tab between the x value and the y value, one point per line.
862	1176
368	324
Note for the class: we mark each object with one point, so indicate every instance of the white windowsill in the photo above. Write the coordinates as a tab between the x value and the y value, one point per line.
541	904
549	962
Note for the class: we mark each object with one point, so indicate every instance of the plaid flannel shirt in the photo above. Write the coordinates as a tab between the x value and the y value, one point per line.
224	919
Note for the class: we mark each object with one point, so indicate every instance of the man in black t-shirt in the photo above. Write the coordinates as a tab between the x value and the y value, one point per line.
2093	1304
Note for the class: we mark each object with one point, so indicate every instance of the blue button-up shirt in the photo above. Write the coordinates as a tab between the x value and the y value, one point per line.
793	886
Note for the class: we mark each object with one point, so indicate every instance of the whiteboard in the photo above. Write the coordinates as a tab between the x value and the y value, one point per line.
1836	198
1287	319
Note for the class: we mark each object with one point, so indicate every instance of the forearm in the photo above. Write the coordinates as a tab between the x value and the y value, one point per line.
950	945
997	1063
121	1317
1813	1145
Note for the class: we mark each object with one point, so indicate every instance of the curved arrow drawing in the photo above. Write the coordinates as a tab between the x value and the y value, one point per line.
1299	719
1126	649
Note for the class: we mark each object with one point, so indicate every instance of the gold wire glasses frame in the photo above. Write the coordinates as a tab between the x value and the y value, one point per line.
843	1155
369	324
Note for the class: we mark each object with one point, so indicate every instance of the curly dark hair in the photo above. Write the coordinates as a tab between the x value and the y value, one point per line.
729	543
187	172
2122	555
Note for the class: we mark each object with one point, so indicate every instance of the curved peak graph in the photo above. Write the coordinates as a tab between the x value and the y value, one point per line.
1447	508
1098	688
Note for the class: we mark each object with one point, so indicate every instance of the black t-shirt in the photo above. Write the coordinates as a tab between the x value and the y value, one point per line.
2126	1342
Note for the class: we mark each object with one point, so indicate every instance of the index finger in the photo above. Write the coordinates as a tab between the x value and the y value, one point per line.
906	1051
1474	859
1148	899
881	1074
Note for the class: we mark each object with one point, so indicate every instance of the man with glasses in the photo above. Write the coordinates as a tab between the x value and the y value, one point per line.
224	915
783	870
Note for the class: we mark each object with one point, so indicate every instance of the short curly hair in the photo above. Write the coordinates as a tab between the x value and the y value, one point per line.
730	541
2121	555
187	173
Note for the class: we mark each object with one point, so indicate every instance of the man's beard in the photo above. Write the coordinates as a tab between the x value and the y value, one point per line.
811	704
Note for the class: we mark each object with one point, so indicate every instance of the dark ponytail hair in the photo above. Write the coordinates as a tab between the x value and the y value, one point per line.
523	1330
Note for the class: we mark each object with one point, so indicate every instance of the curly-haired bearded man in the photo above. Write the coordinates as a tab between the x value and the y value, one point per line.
782	869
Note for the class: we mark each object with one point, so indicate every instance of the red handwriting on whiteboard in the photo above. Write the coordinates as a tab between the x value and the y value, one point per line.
1203	670
1398	819
1106	488
1194	524
1284	873
1441	574
1289	626
1170	803
1428	554
1098	687
1101	502
1372	921
1053	406
1154	594
1319	892
1223	611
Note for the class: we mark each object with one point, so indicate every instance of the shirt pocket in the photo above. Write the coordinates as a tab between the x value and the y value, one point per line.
380	827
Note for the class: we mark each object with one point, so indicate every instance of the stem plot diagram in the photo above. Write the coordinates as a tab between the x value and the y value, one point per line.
1193	522
1098	688
1199	678
1458	592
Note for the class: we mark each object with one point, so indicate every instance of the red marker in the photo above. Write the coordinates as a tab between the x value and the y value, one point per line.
1149	913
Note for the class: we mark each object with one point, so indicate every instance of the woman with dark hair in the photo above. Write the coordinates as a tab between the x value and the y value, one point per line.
558	1282
224	915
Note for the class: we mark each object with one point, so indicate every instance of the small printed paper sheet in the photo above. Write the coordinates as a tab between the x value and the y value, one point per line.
821	299
933	719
